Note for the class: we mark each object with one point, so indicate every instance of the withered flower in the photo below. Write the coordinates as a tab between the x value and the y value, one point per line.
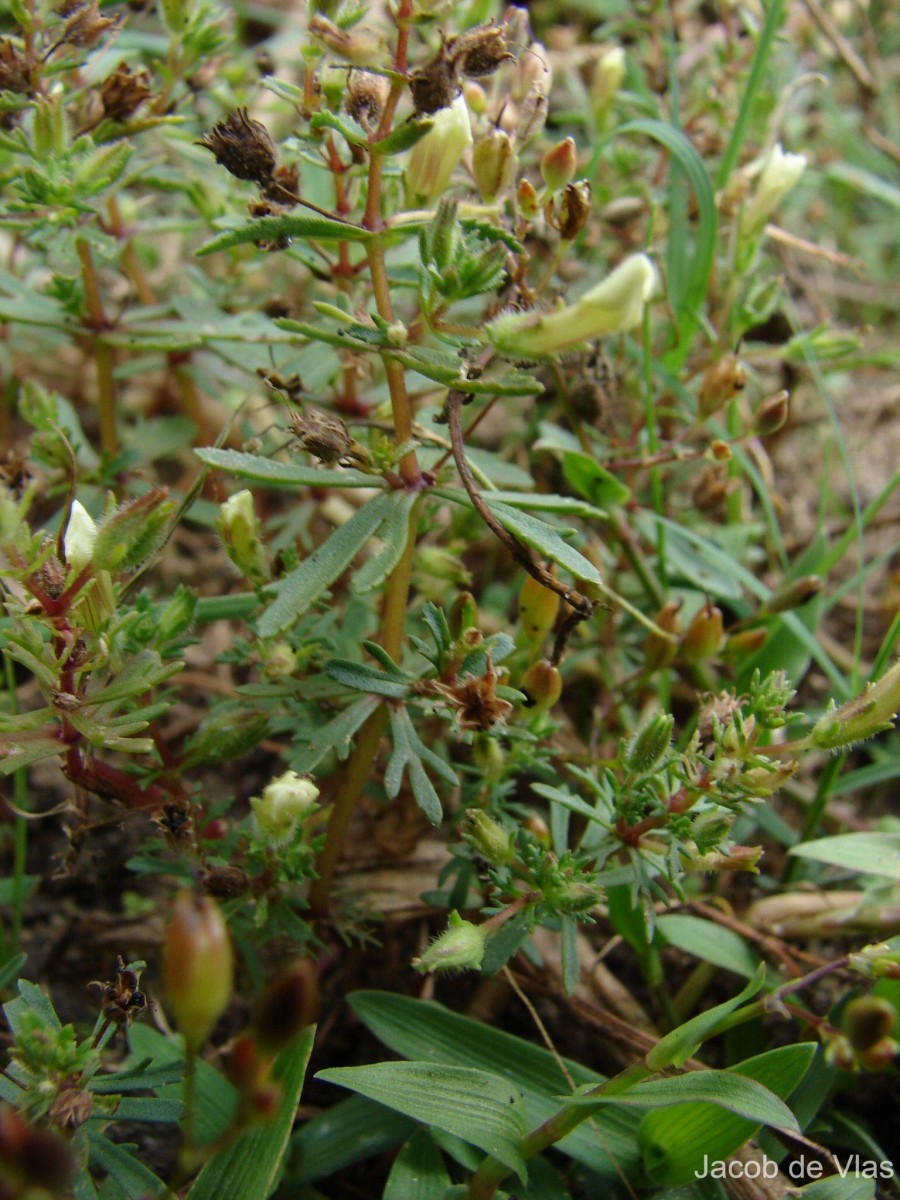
14	73
123	92
574	209
480	51
366	97
224	883
243	147
436	84
322	435
122	1000
72	1105
176	822
284	186
475	699
85	25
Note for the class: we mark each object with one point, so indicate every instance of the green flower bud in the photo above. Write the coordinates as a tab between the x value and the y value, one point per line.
134	532
459	948
280	660
862	717
175	14
176	617
489	838
197	967
285	802
542	685
463	614
704	635
241	534
558	165
867	1020
493	163
527	200
649	743
612	306
435	157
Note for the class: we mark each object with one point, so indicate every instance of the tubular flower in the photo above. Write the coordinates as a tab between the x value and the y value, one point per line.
435	157
613	306
779	174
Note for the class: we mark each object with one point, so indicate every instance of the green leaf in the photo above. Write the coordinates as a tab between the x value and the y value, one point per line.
548	502
592	481
136	1180
543	538
337	735
249	1166
726	1089
408	754
675	1140
688	275
867	853
394	534
299	590
478	1107
351	131
850	1188
290	225
287	475
710	942
681	1043
351	1131
365	678
427	1031
404	137
418	1172
148	1108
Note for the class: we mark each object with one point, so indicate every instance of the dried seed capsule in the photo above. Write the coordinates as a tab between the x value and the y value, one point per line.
197	967
542	685
660	651
243	147
493	163
123	92
721	381
773	413
704	634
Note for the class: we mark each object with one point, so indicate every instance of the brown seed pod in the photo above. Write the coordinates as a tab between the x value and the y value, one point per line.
243	147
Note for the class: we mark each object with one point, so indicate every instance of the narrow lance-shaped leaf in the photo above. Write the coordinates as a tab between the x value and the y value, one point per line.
303	586
479	1108
291	225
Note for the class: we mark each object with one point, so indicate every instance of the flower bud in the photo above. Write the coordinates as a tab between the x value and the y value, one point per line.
659	651
867	1020
463	614
773	413
80	537
489	838
280	660
241	534
287	1006
649	744
175	14
609	75
459	948
176	617
527	200
721	381
779	175
285	802
352	47
794	594
739	646
537	827
542	685
839	1053
434	158
538	610
123	92
532	71
612	306
704	635
493	163
197	967
558	165
134	532
880	1056
490	758
873	711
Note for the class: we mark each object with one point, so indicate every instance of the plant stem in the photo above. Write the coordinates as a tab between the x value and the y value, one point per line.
20	828
103	353
359	765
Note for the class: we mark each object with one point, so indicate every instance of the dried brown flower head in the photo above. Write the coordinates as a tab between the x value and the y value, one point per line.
85	25
122	1000
123	92
14	73
366	97
322	435
436	84
243	147
72	1105
284	186
574	210
475	699
480	51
